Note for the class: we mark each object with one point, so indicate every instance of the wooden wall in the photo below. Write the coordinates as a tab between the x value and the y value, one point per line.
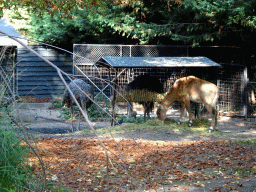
35	77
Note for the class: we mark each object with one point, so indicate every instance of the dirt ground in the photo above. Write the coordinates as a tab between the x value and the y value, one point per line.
48	124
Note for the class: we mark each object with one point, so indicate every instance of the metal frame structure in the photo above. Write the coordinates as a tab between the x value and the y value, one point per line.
8	56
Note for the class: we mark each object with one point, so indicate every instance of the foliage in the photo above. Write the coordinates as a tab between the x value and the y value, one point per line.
131	119
65	113
56	103
97	114
152	22
94	112
14	169
87	26
142	21
193	21
64	8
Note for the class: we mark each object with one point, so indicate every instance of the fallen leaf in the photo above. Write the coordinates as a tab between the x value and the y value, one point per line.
217	189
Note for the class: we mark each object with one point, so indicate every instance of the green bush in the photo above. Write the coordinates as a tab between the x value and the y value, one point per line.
56	103
94	113
132	119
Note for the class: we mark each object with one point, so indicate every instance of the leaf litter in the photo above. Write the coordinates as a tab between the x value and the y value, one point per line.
80	164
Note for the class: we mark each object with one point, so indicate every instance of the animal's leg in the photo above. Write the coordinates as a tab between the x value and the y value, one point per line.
71	114
145	107
148	107
145	113
196	110
79	120
213	113
134	114
83	105
214	122
148	114
94	125
188	107
181	112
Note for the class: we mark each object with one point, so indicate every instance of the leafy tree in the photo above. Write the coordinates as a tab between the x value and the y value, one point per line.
63	8
86	26
187	21
153	21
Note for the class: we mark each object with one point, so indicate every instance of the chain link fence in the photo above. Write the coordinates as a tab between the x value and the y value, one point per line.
229	77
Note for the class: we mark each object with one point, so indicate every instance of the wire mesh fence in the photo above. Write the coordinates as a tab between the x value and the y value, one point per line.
229	76
8	65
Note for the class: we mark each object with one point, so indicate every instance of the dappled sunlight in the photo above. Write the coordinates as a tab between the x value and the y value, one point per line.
82	162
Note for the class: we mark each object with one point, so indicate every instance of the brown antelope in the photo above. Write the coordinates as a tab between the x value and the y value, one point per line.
188	89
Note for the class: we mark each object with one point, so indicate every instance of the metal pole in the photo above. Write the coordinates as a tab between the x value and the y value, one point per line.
113	102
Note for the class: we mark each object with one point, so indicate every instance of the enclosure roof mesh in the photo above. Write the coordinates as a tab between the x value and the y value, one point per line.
133	62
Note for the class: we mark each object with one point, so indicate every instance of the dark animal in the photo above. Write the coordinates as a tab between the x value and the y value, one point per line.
82	99
148	83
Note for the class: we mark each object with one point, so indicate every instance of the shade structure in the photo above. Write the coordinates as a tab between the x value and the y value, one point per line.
138	62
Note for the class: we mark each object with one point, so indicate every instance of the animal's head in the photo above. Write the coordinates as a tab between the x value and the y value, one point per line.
161	113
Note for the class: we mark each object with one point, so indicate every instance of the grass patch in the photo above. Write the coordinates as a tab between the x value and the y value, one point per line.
56	188
243	142
200	127
14	168
240	172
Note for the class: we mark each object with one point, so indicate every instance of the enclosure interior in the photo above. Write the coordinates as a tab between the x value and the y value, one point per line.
230	76
106	78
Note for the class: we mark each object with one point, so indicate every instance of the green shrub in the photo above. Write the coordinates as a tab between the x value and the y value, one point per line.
14	169
56	103
94	113
65	113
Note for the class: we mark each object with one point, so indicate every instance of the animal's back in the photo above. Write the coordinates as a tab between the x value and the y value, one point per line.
146	82
197	89
78	92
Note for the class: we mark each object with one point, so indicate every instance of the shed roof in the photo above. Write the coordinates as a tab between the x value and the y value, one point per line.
6	27
135	62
